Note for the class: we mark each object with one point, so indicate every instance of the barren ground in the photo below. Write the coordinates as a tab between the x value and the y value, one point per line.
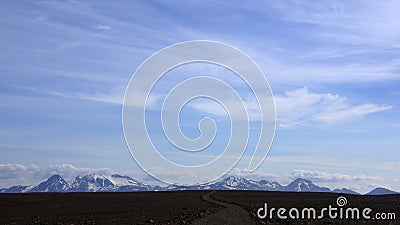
184	207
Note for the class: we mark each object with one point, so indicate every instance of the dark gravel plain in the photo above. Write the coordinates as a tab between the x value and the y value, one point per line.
104	208
182	207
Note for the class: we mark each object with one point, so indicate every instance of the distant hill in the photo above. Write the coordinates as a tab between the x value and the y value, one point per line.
382	191
345	191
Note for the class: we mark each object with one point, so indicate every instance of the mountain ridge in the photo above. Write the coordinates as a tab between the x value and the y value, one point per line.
122	183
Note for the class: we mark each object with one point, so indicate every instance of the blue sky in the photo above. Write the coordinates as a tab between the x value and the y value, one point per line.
333	66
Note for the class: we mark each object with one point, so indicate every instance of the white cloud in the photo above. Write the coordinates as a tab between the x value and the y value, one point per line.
153	100
212	107
10	171
114	98
302	106
68	171
103	27
298	107
319	176
356	111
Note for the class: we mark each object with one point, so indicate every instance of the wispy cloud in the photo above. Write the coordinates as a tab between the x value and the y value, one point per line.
103	27
331	117
116	97
113	98
302	106
326	47
214	108
371	22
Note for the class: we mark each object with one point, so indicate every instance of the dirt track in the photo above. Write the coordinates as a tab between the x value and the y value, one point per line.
230	213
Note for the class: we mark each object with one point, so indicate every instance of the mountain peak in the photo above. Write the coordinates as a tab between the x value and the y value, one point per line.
55	177
234	179
303	185
92	182
55	183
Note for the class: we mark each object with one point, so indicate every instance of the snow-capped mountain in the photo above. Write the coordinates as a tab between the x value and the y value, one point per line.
237	183
87	183
382	191
302	185
231	183
91	183
127	184
121	183
113	183
54	184
271	186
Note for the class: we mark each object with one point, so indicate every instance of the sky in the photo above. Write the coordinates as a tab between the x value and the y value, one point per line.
333	66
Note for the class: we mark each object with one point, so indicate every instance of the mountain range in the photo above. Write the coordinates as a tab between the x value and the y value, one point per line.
121	183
